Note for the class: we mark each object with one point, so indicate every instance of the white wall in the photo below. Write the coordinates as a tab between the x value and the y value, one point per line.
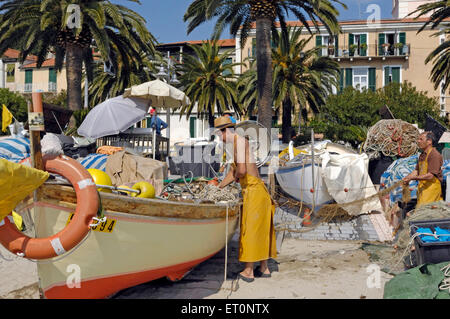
2	75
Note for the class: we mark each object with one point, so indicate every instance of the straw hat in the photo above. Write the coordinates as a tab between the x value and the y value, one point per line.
223	122
228	112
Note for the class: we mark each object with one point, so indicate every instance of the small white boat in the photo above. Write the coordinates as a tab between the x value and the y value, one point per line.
295	177
142	240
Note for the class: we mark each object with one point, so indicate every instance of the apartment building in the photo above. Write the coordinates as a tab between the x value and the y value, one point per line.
374	54
26	77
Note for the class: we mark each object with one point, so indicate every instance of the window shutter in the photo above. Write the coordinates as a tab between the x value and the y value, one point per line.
372	79
319	43
254	47
341	80
28	76
192	122
387	71
402	37
348	77
363	39
396	75
336	45
51	75
381	40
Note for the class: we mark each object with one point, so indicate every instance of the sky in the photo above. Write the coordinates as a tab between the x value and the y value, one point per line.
165	17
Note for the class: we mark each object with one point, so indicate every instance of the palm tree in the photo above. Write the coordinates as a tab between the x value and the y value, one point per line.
208	81
240	15
439	11
300	77
246	88
50	26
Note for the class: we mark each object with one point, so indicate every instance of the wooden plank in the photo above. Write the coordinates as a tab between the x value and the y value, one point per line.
141	206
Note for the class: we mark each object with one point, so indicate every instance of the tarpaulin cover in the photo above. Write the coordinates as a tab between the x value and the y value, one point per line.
402	168
418	283
16	183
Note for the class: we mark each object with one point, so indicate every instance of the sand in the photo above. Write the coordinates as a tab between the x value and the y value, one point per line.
303	270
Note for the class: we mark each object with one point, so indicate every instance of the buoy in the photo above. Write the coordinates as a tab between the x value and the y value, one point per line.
306	220
101	178
346	190
312	190
146	190
214	182
124	191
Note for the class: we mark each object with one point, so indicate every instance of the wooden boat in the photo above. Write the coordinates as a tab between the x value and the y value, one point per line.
142	240
295	177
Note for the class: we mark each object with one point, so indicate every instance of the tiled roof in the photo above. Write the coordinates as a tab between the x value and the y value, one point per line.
221	43
15	54
46	63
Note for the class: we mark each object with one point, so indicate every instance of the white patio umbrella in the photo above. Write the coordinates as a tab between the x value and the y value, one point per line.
160	95
113	116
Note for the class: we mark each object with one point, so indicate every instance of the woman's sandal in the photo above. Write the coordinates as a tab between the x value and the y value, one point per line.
257	272
246	279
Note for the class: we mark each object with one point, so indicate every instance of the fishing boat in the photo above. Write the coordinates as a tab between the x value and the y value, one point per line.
140	241
131	241
301	177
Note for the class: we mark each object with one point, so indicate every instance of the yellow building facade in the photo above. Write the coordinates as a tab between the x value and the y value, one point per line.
372	55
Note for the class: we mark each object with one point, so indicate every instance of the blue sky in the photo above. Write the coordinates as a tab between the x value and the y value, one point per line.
165	17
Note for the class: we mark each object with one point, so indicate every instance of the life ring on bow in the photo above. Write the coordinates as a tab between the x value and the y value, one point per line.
87	205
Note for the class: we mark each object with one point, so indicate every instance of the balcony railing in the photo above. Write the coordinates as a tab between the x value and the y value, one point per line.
371	50
32	87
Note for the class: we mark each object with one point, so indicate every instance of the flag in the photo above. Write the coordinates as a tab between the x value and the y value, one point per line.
6	118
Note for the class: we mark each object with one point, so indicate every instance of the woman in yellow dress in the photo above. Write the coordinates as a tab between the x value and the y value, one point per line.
257	234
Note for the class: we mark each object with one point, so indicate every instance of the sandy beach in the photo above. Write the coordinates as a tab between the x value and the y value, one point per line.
303	270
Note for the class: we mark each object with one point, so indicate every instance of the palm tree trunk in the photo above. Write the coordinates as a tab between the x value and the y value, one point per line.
264	67
286	125
74	67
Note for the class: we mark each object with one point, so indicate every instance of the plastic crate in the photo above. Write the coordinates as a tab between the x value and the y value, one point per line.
432	253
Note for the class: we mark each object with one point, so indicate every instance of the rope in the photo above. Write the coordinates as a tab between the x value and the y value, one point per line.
445	284
391	138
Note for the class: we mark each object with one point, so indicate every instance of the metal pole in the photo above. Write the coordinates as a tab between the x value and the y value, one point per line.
312	170
86	93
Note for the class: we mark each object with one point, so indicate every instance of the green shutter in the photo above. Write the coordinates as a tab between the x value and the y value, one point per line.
396	75
387	71
28	76
402	37
341	80
372	79
192	121
363	40
351	41
381	40
51	75
336	45
348	77
254	47
319	43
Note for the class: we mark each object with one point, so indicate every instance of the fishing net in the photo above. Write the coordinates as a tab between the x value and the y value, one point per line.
394	138
392	258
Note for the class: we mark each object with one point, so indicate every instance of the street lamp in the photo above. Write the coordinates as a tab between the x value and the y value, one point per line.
169	77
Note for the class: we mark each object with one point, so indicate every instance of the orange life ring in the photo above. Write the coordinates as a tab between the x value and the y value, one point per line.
87	205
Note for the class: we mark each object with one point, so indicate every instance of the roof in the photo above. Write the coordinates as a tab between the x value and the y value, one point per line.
47	63
15	54
221	43
356	22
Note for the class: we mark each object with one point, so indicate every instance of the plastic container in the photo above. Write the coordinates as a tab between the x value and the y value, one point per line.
433	253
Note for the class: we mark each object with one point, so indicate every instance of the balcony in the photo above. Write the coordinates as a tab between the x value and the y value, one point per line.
32	87
368	51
